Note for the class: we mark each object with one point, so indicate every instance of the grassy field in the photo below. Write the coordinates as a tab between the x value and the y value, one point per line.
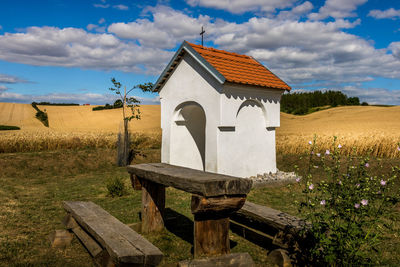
74	158
35	184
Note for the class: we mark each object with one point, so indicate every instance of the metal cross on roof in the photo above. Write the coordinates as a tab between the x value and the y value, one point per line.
202	35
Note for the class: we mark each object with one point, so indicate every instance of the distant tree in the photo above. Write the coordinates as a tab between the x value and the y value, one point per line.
364	104
133	104
118	103
353	101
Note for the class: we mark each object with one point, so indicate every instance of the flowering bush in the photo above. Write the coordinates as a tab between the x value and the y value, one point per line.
346	208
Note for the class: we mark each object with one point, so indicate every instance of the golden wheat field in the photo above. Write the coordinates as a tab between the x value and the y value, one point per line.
366	128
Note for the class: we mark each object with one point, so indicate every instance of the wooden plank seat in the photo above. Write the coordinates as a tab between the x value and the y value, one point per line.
214	198
281	228
107	239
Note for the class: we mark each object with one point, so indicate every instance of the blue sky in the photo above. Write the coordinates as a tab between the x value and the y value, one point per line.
67	51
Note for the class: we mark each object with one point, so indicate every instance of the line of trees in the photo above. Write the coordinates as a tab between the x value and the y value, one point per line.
117	104
307	102
55	104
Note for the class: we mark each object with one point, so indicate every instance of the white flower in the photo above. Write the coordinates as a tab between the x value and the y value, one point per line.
364	202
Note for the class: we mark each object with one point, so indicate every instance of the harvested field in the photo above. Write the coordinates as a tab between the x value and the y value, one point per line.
366	128
360	127
82	118
21	115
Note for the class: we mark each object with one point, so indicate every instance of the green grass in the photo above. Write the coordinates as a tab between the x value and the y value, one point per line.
8	127
33	186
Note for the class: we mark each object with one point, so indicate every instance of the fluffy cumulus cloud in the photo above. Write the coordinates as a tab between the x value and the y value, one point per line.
240	6
71	47
162	31
296	12
390	13
373	95
300	51
337	9
4	78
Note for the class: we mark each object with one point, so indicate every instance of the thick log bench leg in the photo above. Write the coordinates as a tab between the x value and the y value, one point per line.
153	204
211	223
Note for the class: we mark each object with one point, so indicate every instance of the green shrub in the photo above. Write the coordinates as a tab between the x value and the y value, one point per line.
116	187
8	127
346	209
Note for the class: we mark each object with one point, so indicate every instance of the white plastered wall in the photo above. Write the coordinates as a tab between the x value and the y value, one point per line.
189	84
246	137
239	123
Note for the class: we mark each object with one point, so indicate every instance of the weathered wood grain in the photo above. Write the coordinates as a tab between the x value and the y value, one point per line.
193	181
231	260
124	245
90	244
153	204
211	236
266	219
135	182
224	204
60	239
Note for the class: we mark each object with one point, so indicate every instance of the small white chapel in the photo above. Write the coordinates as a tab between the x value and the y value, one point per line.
219	112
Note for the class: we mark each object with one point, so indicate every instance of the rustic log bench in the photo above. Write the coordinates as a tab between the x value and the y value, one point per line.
254	220
109	241
214	198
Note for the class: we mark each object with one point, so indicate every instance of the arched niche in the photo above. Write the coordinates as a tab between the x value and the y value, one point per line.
188	139
250	140
251	109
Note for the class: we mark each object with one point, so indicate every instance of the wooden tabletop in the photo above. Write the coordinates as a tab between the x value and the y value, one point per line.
193	181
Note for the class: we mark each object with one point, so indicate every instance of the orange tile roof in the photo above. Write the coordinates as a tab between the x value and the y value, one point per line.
240	69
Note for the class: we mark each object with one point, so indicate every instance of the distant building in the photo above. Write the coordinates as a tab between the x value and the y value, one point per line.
219	111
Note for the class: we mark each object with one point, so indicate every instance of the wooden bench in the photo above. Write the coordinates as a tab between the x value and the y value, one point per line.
255	220
214	198
109	241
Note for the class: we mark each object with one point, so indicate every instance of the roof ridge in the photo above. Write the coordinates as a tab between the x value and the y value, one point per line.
237	68
219	50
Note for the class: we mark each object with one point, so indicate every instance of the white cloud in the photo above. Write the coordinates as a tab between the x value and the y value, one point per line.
4	78
373	95
395	48
101	5
71	47
390	13
121	7
90	27
97	28
337	9
163	31
3	88
296	11
240	6
102	20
